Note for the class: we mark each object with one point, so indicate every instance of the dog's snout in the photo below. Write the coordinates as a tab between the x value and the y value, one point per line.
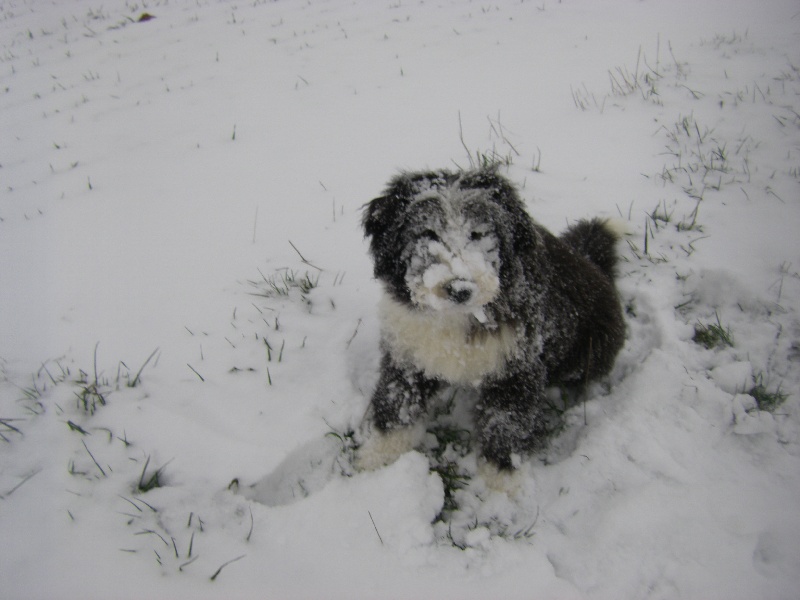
459	291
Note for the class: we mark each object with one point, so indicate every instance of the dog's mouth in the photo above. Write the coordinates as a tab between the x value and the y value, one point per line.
454	295
452	272
459	291
459	295
447	294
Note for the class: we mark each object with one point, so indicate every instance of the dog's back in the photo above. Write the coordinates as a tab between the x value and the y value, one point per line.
581	297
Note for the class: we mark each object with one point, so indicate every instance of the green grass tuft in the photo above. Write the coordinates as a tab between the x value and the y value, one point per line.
153	480
712	335
453	479
766	400
90	396
283	282
452	443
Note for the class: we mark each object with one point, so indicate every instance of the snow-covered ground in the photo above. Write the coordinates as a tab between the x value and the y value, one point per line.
186	297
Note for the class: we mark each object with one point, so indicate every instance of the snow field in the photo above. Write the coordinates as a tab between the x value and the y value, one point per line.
153	176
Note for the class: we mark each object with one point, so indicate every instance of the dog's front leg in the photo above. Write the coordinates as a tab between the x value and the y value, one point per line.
509	414
399	400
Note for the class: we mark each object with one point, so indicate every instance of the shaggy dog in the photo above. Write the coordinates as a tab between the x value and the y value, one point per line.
477	294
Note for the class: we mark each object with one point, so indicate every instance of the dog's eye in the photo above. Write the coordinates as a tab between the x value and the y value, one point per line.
477	236
429	234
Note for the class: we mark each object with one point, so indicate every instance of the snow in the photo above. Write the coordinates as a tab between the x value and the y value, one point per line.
190	187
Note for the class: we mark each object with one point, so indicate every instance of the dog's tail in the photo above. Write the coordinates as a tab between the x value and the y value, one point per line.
596	239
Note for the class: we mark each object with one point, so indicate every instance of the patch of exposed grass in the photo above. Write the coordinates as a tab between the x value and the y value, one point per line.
767	400
283	282
451	443
712	335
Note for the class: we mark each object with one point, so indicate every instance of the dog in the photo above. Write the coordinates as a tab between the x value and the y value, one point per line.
477	294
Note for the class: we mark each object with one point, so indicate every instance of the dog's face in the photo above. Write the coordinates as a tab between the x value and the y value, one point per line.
450	253
439	240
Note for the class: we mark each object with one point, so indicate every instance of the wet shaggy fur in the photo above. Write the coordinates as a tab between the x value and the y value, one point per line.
478	294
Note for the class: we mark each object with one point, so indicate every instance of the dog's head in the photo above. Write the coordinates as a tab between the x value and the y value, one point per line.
445	241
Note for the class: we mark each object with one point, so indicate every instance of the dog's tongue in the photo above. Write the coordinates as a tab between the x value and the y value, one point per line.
480	315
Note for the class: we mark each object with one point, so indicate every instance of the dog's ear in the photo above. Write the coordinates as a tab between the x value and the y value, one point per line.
524	238
384	211
380	222
374	220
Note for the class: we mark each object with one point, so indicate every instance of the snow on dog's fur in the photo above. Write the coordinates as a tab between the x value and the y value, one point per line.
478	294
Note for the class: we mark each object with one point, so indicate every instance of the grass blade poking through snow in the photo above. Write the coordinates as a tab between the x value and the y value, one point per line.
136	379
7	427
153	481
233	560
97	464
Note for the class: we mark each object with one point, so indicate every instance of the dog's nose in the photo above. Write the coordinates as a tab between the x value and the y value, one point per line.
459	291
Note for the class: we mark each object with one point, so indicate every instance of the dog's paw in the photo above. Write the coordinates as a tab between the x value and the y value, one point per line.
515	483
381	449
505	481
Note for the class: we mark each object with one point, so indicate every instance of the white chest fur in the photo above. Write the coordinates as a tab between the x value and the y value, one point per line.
445	344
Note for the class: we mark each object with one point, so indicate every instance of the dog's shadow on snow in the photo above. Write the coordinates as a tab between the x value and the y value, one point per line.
303	472
309	468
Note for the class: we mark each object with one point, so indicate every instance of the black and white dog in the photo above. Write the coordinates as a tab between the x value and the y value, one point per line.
477	294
